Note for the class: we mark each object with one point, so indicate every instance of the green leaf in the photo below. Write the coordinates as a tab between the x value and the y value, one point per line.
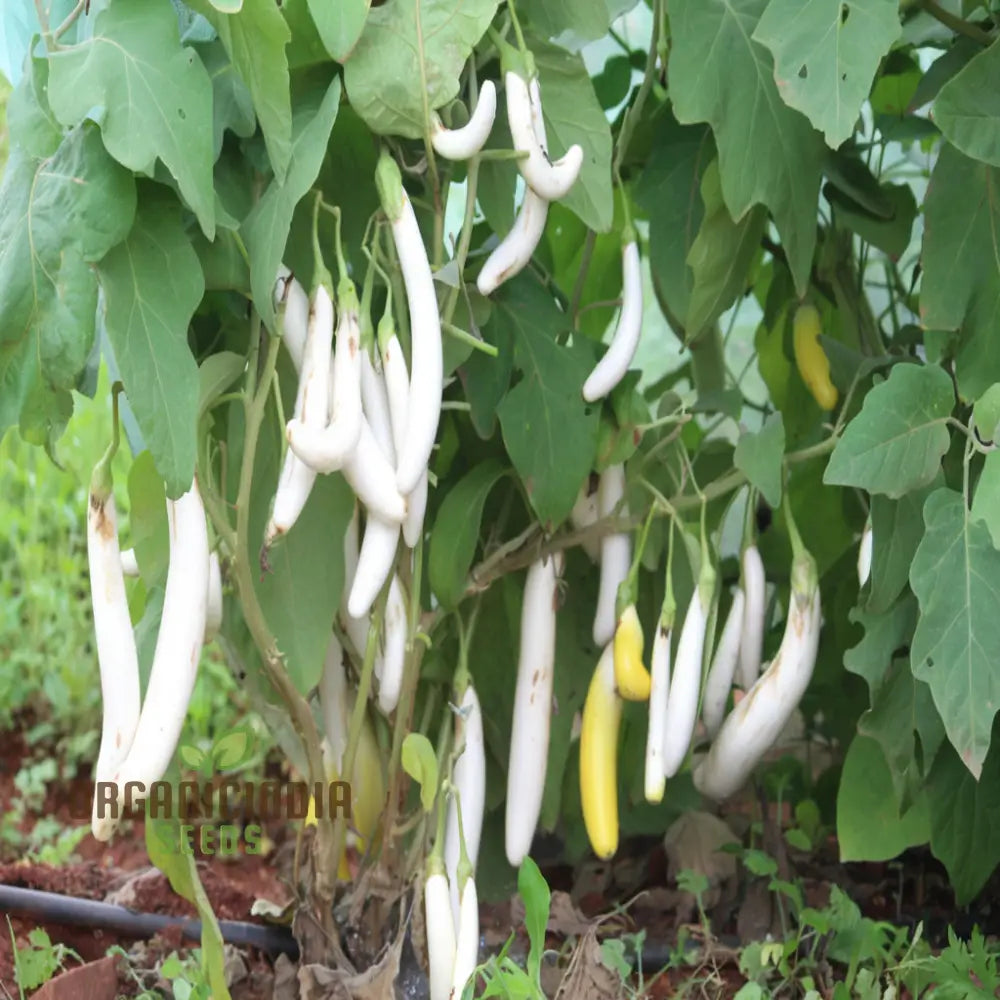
986	499
960	289
255	38
585	20
759	455
339	24
535	894
720	255
164	847
965	816
57	217
967	108
986	412
191	756
956	577
266	228
233	749
897	527
216	374
885	634
155	94
420	763
32	125
669	190
550	433
890	235
409	58
896	443
147	520
903	707
573	114
869	826
768	153
826	53
299	593
152	285
456	532
232	105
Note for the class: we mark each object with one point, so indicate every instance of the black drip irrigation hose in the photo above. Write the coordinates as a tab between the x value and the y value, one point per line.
50	907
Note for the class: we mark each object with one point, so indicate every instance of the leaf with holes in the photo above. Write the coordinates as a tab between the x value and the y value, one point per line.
826	53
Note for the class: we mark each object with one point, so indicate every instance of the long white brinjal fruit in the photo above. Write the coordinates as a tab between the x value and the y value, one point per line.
511	256
288	293
312	399
397	385
356	628
754	585
529	737
463	143
865	554
469	777
616	554
426	358
659	694
394	632
720	673
611	369
116	649
756	722
549	180
329	447
178	649
685	684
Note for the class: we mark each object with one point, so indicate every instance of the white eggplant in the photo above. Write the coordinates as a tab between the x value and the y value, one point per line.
463	143
720	674
616	554
754	585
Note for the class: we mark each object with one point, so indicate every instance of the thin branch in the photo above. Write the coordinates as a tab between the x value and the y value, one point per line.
956	23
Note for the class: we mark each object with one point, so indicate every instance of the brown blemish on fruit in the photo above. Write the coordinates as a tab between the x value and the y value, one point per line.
352	346
105	525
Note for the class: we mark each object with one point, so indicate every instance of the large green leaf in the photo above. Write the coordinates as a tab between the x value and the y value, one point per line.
301	588
232	105
155	94
826	53
266	228
255	38
720	255
456	532
895	444
57	217
409	58
897	527
573	114
768	153
960	289
885	634
903	708
967	108
549	431
669	191
869	826
339	24
956	577
759	455
965	817
152	285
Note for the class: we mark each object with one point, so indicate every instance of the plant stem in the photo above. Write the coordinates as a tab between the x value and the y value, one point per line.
71	18
632	116
302	718
465	239
956	23
581	277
